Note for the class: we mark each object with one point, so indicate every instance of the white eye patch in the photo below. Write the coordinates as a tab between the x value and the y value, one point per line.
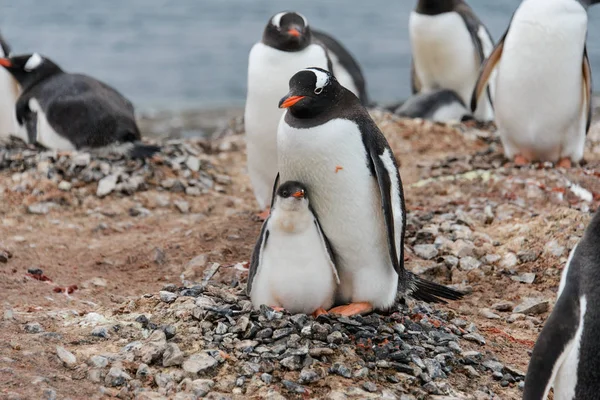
322	78
34	61
276	20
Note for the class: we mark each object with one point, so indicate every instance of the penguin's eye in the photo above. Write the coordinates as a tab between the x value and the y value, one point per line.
285	193
318	90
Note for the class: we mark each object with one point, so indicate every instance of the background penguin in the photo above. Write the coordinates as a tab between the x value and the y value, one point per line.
544	82
287	46
64	111
442	105
9	92
292	265
566	352
449	44
328	141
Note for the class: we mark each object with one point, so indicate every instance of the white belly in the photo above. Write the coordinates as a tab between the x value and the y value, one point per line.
45	134
539	101
347	204
9	93
444	54
295	272
269	73
566	378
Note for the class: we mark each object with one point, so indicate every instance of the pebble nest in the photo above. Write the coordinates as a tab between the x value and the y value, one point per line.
206	340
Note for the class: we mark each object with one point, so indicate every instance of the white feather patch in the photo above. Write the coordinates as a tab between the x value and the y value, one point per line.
276	20
563	279
388	163
322	77
34	61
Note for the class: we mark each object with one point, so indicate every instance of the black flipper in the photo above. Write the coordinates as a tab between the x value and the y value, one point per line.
275	186
587	88
558	331
259	247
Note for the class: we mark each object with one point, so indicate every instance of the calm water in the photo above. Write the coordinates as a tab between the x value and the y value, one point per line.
193	53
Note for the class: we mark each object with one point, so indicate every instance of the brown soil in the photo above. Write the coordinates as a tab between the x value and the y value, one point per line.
135	255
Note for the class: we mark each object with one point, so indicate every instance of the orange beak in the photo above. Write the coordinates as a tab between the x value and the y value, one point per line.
5	62
294	32
289	101
299	194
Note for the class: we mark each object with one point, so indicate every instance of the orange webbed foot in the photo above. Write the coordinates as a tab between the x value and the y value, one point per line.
265	214
564	163
319	311
520	160
352	309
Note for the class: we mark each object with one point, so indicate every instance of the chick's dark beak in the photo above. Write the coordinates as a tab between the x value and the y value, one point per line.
289	101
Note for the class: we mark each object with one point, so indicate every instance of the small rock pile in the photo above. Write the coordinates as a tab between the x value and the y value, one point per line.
206	340
180	166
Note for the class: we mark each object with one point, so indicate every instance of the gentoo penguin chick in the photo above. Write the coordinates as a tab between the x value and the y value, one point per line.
287	46
543	88
292	265
441	105
328	141
65	111
9	92
566	352
449	44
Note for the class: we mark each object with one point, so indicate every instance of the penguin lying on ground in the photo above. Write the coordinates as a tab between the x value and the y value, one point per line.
288	45
442	105
449	44
543	88
566	353
328	141
64	111
9	92
292	265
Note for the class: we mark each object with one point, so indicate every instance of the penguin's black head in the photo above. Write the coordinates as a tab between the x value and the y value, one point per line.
291	196
588	3
30	69
287	31
312	91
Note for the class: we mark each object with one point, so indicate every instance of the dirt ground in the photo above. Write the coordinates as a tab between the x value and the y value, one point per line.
111	255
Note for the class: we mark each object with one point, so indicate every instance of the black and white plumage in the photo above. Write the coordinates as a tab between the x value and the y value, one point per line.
292	265
449	44
65	111
328	141
565	355
9	93
442	105
543	84
288	45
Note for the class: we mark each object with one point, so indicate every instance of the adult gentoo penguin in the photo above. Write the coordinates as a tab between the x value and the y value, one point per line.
65	111
287	46
566	352
449	44
328	141
543	86
9	92
292	265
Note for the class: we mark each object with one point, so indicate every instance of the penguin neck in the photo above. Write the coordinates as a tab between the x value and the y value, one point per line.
435	7
290	220
31	79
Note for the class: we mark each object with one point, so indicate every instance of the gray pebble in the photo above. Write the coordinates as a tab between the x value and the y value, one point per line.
33	327
167	297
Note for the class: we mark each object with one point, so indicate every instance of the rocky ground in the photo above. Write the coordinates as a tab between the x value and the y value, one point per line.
126	279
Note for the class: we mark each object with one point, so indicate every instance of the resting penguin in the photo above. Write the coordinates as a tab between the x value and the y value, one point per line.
288	45
327	141
543	88
441	105
449	44
566	353
64	111
292	265
9	92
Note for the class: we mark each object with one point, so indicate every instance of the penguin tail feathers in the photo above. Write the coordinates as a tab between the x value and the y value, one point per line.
142	150
432	292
